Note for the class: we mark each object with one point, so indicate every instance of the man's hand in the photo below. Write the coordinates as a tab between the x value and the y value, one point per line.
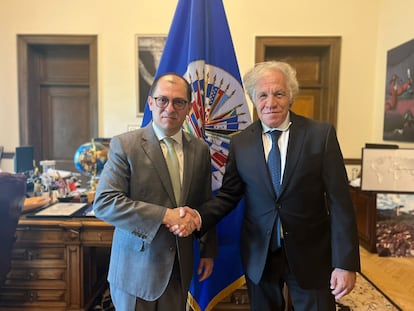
194	213
181	221
342	282
205	268
179	229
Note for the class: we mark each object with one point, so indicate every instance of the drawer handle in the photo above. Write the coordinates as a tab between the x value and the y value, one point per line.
29	255
32	296
30	276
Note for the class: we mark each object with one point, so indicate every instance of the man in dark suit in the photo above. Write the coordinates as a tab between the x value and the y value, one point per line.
303	232
151	268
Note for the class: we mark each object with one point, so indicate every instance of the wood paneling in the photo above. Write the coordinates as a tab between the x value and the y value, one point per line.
365	205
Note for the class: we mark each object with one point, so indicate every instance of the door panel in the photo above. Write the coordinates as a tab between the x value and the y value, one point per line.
57	95
304	105
62	64
62	108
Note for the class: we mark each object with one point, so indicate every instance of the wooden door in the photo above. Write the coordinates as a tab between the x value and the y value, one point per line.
316	60
58	102
65	122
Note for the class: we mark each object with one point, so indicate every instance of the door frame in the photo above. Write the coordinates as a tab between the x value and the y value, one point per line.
24	84
331	47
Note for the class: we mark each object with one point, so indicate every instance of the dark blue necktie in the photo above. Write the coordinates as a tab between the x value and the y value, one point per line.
273	162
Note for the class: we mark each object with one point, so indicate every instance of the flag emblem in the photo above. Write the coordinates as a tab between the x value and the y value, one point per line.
199	47
218	111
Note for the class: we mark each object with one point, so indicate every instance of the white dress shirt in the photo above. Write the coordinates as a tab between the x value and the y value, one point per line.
282	142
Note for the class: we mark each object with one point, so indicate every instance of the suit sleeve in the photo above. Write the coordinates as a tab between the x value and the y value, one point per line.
345	243
112	200
227	197
209	241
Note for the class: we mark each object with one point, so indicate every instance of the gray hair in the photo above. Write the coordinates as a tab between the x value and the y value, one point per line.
253	75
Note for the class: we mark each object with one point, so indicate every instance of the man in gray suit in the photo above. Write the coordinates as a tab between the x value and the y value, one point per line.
151	268
299	225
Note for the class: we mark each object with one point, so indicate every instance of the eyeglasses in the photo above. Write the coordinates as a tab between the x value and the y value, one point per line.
163	101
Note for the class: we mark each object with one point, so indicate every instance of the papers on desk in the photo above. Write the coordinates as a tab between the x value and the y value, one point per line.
88	212
60	210
62	174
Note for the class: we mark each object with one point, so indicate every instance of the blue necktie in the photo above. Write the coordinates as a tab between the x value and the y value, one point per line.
273	162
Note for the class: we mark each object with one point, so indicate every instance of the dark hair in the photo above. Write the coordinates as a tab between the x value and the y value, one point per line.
155	83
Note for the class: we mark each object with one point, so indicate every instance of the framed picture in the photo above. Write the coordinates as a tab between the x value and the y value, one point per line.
388	170
395	225
399	94
149	51
60	210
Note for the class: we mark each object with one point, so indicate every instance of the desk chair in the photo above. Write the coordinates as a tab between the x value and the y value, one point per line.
12	196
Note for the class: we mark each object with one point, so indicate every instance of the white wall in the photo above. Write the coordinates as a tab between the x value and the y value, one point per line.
368	29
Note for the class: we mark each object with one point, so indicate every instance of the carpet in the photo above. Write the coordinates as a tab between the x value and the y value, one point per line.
364	297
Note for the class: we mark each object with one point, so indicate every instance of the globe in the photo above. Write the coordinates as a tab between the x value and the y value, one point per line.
90	158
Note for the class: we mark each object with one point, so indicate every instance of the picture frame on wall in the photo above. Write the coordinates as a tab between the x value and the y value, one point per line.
399	94
395	225
387	170
149	52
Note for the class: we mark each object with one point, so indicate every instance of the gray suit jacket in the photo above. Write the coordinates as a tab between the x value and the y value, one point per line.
133	193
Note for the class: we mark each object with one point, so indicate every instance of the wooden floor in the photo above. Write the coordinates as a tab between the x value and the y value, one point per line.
394	276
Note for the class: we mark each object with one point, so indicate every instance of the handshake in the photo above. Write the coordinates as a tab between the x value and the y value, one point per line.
182	221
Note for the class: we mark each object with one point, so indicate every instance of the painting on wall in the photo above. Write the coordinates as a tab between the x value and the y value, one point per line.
395	225
399	97
149	49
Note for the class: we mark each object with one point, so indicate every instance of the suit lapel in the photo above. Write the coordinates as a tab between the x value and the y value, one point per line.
262	168
152	149
297	136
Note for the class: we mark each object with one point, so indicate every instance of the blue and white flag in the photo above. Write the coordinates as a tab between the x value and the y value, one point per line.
199	47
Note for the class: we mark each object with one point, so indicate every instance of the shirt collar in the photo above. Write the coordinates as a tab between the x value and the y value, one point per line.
178	137
283	127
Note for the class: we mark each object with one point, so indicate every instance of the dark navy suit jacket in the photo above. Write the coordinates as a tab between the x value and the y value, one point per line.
314	205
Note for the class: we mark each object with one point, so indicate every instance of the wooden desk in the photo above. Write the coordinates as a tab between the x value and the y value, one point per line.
365	204
57	264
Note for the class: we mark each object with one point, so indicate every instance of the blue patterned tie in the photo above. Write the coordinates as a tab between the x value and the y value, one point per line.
273	162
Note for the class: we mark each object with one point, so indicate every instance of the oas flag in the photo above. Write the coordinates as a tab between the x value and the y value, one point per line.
199	47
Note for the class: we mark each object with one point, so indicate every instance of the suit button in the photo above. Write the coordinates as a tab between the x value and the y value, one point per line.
171	249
